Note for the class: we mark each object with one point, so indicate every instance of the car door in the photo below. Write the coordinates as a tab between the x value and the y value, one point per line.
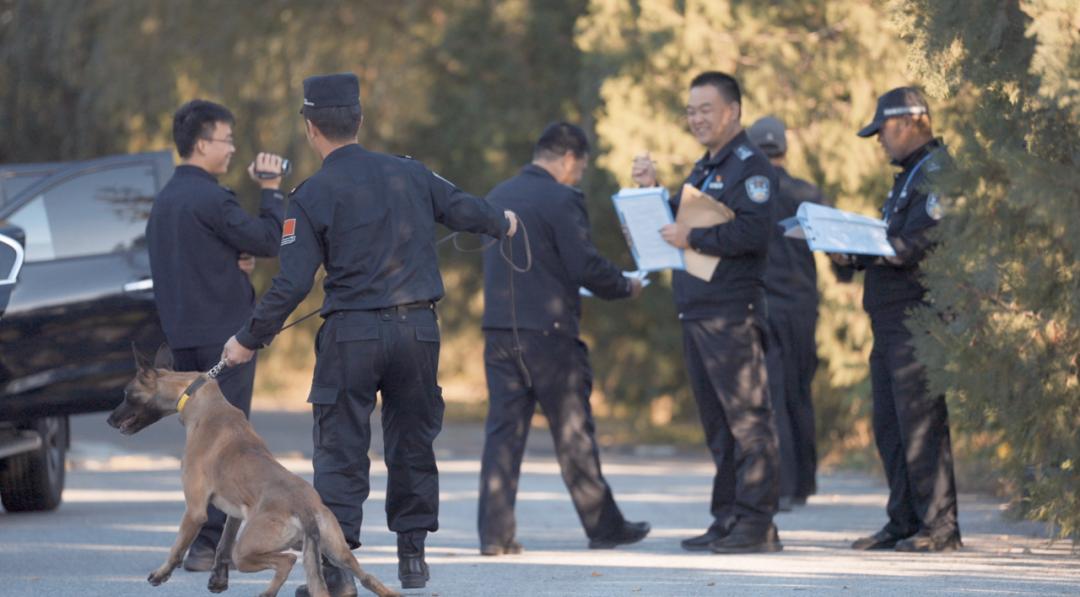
84	294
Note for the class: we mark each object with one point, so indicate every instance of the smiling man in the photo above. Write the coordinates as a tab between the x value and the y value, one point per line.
200	241
723	319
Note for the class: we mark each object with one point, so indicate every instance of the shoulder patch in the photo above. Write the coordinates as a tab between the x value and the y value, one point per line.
758	188
933	207
744	152
288	232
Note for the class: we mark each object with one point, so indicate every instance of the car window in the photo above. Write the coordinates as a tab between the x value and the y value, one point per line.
99	212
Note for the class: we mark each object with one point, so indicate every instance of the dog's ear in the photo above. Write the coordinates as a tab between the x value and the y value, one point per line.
141	362
164	358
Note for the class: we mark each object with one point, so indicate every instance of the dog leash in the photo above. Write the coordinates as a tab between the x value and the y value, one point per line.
199	382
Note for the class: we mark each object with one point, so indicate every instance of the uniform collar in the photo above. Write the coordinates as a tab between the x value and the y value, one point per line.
916	156
534	170
189	170
707	161
345	151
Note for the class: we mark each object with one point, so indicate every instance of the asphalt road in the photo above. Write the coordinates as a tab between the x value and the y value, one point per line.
123	502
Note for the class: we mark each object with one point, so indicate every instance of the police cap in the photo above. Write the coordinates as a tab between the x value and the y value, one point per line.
331	91
769	135
902	101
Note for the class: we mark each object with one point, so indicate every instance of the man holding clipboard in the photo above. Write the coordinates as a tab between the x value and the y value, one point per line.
722	223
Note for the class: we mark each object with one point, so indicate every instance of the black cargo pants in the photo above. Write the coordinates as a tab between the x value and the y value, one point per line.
792	361
562	382
237	384
394	351
911	428
725	361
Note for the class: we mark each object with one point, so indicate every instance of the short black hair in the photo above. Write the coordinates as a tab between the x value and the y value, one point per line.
559	138
337	123
725	83
196	119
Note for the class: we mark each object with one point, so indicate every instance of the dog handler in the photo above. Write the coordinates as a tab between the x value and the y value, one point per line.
369	220
199	240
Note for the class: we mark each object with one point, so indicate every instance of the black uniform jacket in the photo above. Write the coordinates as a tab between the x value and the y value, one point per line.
564	258
791	274
195	235
911	210
369	219
740	177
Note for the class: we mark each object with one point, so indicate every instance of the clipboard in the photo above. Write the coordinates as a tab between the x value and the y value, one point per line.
642	212
698	210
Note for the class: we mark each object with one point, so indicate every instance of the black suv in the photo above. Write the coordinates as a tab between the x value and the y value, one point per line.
75	293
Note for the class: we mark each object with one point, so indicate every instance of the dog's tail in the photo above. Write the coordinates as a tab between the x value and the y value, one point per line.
338	553
313	555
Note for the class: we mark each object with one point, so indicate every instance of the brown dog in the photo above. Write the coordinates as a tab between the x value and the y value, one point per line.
227	464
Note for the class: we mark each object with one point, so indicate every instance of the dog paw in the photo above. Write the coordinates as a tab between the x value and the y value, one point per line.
218	584
158	576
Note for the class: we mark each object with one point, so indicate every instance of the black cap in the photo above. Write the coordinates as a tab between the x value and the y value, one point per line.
331	91
902	101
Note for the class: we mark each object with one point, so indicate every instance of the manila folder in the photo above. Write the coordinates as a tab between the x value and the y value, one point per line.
698	210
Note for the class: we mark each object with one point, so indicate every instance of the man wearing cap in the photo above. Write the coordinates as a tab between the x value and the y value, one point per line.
791	291
200	242
911	426
369	220
723	321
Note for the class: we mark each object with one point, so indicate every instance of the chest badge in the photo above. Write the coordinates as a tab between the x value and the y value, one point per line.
716	185
758	189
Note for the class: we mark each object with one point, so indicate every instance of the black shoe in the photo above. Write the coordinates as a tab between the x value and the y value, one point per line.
631	532
413	571
339	582
799	500
701	542
746	537
200	556
785	503
883	539
501	549
924	542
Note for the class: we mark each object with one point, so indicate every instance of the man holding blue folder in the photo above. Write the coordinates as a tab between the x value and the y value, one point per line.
723	319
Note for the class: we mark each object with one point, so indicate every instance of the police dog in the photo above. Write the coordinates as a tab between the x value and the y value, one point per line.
227	464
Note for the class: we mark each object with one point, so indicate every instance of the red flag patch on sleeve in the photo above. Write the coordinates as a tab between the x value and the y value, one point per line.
288	232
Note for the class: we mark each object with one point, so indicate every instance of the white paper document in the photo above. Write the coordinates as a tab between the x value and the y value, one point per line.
642	212
836	231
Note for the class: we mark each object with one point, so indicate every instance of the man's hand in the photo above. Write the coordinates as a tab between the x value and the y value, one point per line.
513	219
676	235
644	170
246	263
842	259
635	288
236	353
266	162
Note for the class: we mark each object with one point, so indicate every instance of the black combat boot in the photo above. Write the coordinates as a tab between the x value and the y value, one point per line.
412	569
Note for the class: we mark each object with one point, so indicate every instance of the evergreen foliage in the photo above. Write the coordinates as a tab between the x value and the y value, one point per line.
1006	279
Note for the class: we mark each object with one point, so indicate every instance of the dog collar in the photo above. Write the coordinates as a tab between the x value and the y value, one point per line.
189	391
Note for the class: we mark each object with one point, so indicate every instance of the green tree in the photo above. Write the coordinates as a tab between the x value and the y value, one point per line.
817	65
1006	279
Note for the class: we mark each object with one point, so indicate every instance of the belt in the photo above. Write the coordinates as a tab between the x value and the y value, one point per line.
406	307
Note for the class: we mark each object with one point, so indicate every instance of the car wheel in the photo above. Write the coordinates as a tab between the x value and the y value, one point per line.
35	480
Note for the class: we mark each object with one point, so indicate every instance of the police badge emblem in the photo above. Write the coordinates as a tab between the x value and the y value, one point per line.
757	188
934	208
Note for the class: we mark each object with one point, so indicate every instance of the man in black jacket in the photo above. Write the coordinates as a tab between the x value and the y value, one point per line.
532	351
723	319
792	294
911	427
369	220
200	241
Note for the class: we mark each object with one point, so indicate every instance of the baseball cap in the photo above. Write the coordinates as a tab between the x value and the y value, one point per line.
902	101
